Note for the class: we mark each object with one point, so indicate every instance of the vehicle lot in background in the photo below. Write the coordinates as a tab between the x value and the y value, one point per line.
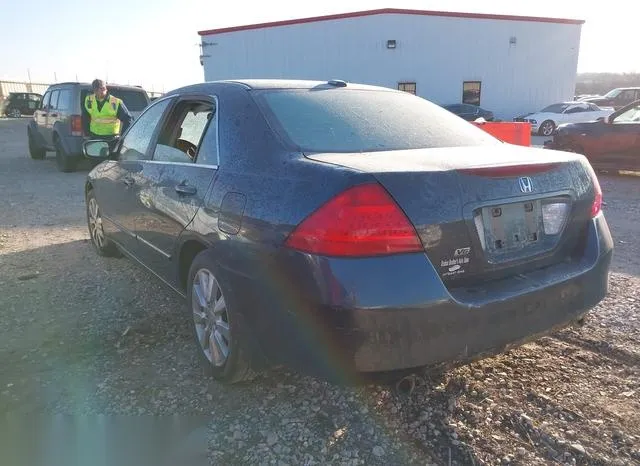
81	334
21	103
469	112
613	144
57	124
547	120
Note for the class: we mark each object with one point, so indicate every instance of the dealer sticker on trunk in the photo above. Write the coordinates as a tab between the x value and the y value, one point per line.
455	265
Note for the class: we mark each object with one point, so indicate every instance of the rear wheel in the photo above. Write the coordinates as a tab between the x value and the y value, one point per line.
218	329
14	113
103	245
35	151
65	162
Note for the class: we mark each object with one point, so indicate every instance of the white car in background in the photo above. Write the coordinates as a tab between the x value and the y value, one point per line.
547	120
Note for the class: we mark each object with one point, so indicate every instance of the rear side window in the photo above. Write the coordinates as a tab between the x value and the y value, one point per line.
345	120
64	100
135	101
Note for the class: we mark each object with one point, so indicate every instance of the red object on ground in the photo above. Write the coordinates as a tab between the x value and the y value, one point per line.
514	132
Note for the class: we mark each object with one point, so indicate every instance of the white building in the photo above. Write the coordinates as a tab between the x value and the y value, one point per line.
508	64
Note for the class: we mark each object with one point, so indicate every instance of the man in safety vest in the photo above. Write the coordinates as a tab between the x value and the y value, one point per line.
105	116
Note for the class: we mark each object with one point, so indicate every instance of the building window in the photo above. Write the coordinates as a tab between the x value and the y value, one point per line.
471	92
407	87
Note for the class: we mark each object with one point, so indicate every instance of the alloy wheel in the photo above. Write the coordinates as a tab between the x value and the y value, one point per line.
95	224
211	318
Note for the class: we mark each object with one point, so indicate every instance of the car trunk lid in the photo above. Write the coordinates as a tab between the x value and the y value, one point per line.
485	212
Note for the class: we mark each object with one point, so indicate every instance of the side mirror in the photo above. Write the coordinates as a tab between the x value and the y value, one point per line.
96	149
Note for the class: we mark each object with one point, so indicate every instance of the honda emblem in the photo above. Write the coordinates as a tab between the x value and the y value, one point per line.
525	184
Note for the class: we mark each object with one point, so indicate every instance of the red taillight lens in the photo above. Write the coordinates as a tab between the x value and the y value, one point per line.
76	125
361	221
596	207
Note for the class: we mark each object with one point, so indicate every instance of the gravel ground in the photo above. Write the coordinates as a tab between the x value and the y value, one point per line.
85	335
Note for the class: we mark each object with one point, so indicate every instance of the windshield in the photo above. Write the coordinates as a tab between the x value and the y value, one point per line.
630	116
334	120
613	93
555	108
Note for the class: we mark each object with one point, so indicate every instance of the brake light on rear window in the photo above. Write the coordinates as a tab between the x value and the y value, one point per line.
362	221
76	125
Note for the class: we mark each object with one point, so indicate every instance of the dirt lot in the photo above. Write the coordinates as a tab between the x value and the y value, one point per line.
80	334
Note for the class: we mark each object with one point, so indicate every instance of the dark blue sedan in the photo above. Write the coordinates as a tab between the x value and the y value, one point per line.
342	229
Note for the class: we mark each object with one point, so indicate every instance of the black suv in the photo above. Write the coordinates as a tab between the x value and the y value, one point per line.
21	103
57	123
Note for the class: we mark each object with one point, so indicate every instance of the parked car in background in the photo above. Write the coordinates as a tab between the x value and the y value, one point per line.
613	144
546	120
57	123
21	103
469	112
616	98
306	227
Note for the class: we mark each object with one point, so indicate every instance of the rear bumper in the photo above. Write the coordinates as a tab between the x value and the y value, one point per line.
73	145
393	313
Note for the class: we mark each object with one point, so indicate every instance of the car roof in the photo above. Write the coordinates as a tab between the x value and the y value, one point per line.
258	84
88	85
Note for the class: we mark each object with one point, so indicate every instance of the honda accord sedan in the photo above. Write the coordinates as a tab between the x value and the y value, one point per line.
347	229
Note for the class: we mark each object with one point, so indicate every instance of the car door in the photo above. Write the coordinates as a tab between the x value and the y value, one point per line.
120	187
40	115
618	147
52	116
185	161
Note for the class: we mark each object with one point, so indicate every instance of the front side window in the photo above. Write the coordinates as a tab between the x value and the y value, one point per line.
54	100
45	101
629	116
180	139
137	140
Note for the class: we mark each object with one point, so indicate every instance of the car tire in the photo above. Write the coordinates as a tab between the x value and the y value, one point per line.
14	113
103	245
547	128
35	151
65	162
216	324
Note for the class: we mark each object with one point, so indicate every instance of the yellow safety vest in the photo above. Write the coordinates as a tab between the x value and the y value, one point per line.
103	122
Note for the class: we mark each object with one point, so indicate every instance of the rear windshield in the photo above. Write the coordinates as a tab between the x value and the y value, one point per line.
341	120
135	101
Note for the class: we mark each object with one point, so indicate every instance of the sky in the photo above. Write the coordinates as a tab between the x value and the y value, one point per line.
155	43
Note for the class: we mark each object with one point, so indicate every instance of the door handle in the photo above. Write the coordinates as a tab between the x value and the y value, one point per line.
185	189
54	115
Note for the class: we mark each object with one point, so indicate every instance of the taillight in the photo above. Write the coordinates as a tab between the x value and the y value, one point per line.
362	221
596	207
76	125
